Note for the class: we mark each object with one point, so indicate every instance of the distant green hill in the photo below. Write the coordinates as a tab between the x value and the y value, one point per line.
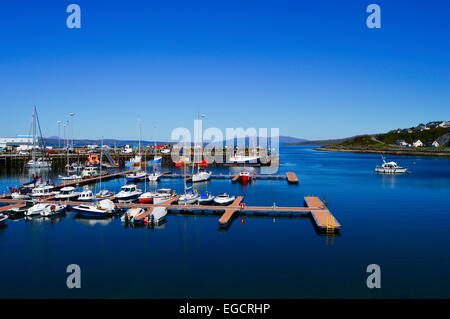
386	139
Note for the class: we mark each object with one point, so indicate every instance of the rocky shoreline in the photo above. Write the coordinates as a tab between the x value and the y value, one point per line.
391	151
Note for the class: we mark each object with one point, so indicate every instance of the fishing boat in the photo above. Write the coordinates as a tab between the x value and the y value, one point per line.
86	195
155	175
128	192
37	144
130	214
43	191
206	199
224	199
134	161
3	218
245	177
136	176
101	209
53	209
67	193
155	160
36	209
390	168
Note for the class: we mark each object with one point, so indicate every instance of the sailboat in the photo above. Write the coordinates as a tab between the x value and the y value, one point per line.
103	193
69	177
188	197
139	174
37	162
156	159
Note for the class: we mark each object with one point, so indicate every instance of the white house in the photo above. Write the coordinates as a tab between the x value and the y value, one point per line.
417	143
402	143
435	144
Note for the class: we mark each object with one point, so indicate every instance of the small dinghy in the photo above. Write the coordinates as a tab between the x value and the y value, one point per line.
129	215
224	199
157	217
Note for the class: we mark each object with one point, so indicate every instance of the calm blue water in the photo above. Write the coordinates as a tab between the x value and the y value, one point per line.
401	223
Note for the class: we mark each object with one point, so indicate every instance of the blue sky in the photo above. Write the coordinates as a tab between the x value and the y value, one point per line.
311	68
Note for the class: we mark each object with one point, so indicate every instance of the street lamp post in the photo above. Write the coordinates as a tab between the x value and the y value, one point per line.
73	120
59	134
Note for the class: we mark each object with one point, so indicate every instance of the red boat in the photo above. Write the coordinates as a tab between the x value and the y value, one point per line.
202	164
146	198
245	177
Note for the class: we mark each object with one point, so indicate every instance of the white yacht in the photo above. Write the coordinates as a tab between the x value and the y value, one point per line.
206	199
102	209
157	216
154	177
72	177
67	193
201	176
39	163
163	195
390	168
224	199
43	191
128	192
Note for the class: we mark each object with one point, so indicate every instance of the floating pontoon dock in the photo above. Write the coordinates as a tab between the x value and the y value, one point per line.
322	218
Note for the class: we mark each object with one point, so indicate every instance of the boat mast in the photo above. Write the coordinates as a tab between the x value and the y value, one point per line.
33	153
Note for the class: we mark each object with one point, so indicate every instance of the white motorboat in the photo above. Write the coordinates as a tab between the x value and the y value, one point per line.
105	193
89	171
36	209
390	168
244	160
201	176
188	199
136	176
53	209
128	192
72	177
163	195
3	218
102	209
157	216
43	191
67	193
39	163
21	193
131	213
224	199
86	195
206	199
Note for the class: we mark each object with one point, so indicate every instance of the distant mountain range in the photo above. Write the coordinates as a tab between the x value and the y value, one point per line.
55	141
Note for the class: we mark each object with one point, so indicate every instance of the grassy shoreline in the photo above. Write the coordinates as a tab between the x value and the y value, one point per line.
392	151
